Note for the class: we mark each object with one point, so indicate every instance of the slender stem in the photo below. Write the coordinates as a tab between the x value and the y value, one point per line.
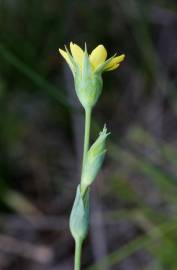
78	242
86	144
77	259
87	134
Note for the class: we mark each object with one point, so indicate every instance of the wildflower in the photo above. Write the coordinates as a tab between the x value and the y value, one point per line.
87	71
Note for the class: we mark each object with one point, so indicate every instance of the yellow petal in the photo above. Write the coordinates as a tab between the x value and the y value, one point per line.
113	67
66	57
77	53
115	62
98	56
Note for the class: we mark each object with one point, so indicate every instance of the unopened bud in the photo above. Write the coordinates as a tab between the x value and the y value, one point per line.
94	160
79	218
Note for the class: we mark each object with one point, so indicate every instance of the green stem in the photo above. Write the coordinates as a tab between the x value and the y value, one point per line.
78	249
87	134
78	242
86	143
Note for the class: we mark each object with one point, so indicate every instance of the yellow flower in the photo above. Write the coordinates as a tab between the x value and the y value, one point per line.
87	71
97	58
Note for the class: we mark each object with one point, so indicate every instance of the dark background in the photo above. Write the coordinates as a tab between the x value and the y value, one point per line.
134	200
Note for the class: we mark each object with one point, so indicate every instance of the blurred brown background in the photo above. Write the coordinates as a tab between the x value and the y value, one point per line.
134	200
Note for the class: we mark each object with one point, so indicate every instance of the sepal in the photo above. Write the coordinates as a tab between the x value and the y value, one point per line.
88	84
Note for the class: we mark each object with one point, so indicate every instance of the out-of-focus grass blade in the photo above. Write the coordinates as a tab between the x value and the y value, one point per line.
145	241
165	182
32	75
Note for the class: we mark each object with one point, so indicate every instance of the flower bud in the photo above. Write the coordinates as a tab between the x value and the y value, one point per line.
79	218
94	160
